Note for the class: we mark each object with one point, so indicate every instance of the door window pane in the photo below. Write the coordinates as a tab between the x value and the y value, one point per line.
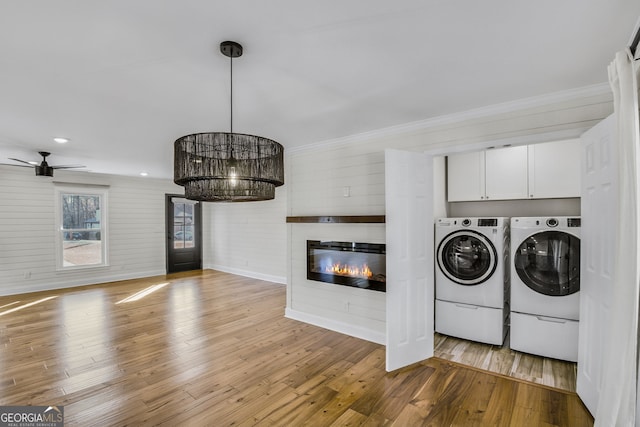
183	231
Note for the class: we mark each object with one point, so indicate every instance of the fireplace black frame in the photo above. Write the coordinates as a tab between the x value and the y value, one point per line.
370	248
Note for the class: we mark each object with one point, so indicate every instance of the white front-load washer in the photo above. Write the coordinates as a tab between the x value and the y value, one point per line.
472	278
545	286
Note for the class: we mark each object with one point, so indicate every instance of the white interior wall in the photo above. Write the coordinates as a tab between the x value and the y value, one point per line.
27	229
248	239
440	206
513	208
336	180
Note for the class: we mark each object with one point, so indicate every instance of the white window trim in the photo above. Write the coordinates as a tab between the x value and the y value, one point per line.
86	190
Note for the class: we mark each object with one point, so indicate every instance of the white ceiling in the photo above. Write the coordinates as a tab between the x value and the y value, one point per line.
124	79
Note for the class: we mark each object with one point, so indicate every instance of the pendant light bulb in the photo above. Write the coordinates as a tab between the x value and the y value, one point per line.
233	177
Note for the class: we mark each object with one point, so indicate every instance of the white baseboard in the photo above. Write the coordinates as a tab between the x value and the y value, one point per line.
334	325
248	273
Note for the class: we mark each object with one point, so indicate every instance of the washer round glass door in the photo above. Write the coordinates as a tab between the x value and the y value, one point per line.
467	257
549	263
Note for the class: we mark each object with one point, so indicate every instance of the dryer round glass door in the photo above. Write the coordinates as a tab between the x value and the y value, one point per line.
549	263
467	257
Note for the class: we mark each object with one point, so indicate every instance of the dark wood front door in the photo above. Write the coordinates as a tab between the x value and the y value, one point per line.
184	235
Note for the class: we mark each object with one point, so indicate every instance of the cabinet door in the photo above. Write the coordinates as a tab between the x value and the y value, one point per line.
554	169
506	173
465	177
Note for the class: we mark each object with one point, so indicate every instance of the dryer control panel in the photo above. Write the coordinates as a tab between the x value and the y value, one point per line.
573	222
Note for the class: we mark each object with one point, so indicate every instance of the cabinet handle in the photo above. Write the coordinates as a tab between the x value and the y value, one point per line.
531	195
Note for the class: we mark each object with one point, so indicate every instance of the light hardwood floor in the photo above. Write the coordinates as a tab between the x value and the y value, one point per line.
502	360
213	349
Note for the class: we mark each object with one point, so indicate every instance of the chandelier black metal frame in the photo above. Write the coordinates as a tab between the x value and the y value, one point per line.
228	166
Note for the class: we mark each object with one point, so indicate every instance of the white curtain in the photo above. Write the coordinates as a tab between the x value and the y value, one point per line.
617	403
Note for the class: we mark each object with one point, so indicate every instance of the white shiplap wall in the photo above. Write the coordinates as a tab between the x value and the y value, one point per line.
318	176
27	229
247	238
318	181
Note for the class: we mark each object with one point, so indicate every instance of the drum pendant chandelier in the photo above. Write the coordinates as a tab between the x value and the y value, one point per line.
228	166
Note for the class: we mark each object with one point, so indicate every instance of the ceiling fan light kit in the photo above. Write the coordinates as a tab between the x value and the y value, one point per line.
43	169
228	166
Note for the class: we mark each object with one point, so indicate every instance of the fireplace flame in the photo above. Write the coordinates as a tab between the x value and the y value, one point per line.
350	270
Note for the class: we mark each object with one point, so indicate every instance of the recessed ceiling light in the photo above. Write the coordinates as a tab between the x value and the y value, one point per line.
144	173
61	140
33	163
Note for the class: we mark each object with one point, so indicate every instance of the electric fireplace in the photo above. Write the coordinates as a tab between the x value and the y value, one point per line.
361	265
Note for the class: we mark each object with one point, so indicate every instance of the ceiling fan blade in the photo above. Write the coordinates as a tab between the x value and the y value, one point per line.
21	161
20	166
67	166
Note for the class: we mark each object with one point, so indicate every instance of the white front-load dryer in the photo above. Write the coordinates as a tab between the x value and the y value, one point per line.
545	286
472	278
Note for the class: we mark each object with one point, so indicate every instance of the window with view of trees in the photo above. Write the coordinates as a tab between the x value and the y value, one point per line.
81	216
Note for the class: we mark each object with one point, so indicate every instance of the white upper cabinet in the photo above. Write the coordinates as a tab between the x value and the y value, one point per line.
554	169
495	174
540	171
506	173
465	177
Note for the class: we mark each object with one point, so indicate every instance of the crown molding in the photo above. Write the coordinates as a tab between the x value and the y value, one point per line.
448	119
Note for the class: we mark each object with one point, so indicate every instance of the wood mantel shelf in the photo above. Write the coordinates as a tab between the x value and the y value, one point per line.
337	219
